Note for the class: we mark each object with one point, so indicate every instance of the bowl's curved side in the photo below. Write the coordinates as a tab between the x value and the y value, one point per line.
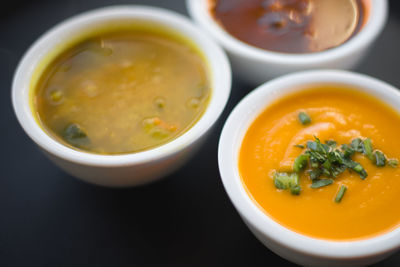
304	249
257	65
83	164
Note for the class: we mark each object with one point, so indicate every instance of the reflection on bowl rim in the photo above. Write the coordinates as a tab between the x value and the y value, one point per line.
218	67
233	133
377	16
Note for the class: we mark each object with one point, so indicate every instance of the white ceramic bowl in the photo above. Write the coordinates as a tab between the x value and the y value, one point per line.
127	169
257	65
284	242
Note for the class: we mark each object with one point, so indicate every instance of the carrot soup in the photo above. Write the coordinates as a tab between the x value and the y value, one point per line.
323	162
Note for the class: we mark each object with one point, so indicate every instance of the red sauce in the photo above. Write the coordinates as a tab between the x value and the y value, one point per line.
286	25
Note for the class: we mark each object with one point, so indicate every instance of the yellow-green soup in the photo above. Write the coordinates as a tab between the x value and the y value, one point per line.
122	92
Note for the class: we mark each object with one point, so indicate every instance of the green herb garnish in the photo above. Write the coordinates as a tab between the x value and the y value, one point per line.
300	163
367	148
393	163
331	143
295	190
74	131
321	183
357	145
284	180
340	194
325	161
348	151
75	135
379	159
304	118
315	174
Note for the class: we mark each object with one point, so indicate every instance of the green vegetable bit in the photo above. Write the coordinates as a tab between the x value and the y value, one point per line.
367	148
393	163
379	159
74	131
357	145
340	194
321	183
348	151
331	143
315	174
300	163
304	118
295	190
75	135
284	180
327	161
355	166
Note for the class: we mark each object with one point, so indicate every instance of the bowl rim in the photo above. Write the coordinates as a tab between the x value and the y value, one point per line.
216	60
237	124
378	13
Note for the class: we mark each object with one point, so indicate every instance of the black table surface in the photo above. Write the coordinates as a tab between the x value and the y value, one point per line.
48	218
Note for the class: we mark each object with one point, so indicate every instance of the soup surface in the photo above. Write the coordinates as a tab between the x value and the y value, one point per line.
122	92
290	26
276	138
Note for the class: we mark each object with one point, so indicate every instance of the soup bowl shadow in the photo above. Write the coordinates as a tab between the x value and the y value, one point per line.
288	244
257	65
134	168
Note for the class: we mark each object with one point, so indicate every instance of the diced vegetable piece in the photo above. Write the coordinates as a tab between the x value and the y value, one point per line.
340	194
74	131
304	118
393	163
315	174
295	190
348	151
75	135
300	163
367	148
283	180
379	159
356	145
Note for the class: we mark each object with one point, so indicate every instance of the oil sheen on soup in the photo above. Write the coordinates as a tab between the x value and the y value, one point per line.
341	148
122	92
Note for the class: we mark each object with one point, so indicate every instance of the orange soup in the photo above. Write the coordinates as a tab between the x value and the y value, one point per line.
339	118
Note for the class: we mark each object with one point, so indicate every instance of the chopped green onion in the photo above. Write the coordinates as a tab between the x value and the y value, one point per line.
304	118
300	163
315	174
340	194
356	145
295	190
360	170
367	148
379	158
348	151
393	163
321	183
331	143
284	180
328	161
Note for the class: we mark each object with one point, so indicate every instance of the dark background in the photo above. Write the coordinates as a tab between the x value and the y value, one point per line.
48	218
